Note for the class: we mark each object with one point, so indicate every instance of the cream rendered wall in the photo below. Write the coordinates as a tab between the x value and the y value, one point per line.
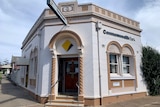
46	59
104	40
103	75
85	33
88	35
26	52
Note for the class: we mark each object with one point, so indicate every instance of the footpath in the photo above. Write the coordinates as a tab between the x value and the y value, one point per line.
148	101
14	96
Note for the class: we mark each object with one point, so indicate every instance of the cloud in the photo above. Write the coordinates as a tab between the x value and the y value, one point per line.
9	49
17	18
3	43
126	8
131	7
149	17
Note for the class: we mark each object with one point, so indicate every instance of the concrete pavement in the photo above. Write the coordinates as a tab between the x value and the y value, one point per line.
148	101
14	96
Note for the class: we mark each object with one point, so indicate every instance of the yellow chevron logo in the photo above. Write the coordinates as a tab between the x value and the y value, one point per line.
67	45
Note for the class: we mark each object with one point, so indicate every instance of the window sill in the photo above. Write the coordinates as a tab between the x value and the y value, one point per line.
124	76
127	75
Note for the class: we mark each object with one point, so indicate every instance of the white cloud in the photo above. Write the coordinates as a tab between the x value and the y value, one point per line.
18	16
149	17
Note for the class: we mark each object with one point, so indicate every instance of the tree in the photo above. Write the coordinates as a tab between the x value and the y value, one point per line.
6	62
151	69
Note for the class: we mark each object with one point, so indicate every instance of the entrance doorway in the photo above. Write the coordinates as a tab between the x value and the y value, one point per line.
68	76
26	76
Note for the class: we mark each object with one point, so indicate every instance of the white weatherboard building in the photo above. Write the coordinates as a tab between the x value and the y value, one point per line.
94	60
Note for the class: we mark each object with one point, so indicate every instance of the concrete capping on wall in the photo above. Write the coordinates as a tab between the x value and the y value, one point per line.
96	9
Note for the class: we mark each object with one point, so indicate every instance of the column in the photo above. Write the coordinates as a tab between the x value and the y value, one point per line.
135	71
53	79
52	86
81	87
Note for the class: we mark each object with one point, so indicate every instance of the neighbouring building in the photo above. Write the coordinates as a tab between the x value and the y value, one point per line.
6	69
94	60
15	74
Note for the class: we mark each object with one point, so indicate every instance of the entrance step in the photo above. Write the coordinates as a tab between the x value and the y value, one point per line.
63	105
68	97
65	101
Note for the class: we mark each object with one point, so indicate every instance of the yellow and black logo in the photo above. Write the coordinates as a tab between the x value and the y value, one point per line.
67	45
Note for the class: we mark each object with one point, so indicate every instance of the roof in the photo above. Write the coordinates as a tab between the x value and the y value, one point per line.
20	61
6	66
14	58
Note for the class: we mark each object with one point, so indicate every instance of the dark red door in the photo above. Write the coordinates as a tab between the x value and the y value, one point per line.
71	74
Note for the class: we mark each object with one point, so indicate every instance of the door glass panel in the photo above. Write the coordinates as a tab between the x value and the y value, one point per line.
72	67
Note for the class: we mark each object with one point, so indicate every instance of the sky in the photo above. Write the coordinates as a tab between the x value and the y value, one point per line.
18	16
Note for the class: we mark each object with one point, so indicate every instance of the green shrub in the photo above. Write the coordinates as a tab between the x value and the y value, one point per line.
151	69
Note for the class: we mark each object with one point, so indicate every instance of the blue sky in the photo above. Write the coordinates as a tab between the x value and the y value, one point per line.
18	16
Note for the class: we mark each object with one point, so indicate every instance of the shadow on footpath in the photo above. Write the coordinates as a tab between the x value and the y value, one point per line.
13	91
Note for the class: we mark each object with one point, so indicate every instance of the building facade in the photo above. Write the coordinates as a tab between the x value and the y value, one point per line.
95	58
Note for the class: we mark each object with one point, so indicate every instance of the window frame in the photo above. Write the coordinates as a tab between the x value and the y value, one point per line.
116	74
127	65
114	48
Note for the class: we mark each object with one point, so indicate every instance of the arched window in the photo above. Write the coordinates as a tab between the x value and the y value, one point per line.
31	62
35	61
121	60
33	67
128	60
114	57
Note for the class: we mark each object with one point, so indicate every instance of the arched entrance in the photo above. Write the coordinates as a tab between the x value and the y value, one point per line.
67	64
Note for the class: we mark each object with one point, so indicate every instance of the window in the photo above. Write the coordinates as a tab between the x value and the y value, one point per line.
72	67
33	64
126	65
113	63
121	60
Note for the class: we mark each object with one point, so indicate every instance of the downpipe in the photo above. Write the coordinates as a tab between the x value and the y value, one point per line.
98	27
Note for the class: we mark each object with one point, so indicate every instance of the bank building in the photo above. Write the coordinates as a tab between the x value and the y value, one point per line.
93	60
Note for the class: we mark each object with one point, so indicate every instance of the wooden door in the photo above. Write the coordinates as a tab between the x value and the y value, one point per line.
71	71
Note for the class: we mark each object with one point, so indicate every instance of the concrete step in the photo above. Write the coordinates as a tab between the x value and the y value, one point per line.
63	105
65	101
67	97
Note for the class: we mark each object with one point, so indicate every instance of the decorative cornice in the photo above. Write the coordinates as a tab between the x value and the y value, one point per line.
85	13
